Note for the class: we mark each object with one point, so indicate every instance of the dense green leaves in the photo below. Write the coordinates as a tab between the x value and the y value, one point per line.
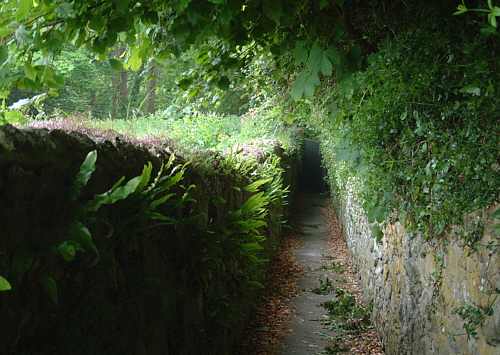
414	131
316	61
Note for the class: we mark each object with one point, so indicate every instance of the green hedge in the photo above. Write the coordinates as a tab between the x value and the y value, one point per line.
157	263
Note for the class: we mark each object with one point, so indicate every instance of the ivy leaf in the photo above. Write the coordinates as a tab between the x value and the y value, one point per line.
4	284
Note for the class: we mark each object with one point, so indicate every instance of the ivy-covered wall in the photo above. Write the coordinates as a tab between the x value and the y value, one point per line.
428	297
179	280
411	147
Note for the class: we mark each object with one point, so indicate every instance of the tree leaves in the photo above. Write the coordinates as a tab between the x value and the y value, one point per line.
115	64
304	84
4	54
316	61
134	61
23	8
300	53
273	10
4	284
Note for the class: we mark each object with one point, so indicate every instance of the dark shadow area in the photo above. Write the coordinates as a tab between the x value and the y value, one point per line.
312	174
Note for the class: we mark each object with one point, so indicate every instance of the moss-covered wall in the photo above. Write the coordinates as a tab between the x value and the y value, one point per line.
162	293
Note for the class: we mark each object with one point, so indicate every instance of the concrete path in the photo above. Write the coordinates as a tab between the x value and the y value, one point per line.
306	333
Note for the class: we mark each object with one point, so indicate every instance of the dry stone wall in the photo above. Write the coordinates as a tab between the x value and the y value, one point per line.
417	286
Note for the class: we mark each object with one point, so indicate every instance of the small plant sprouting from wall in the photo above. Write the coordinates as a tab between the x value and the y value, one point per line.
473	317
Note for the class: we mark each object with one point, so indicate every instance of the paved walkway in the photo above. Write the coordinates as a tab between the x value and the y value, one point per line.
306	333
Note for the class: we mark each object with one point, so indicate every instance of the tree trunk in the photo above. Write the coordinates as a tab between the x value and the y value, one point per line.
119	87
123	99
151	88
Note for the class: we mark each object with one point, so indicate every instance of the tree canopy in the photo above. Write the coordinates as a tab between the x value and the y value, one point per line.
319	36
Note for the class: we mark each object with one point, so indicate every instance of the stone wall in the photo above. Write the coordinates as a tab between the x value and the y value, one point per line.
416	286
162	293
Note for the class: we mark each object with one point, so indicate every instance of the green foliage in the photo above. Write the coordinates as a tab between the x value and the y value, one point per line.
84	174
11	117
325	287
345	315
415	130
473	317
37	31
492	12
4	284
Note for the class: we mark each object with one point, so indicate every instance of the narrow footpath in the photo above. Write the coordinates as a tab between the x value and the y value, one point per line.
320	310
328	316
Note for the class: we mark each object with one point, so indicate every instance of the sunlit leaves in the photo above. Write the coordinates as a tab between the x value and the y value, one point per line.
4	284
23	8
4	54
12	117
492	13
134	61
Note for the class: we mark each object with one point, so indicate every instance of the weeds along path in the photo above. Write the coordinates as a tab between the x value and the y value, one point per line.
312	303
327	314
